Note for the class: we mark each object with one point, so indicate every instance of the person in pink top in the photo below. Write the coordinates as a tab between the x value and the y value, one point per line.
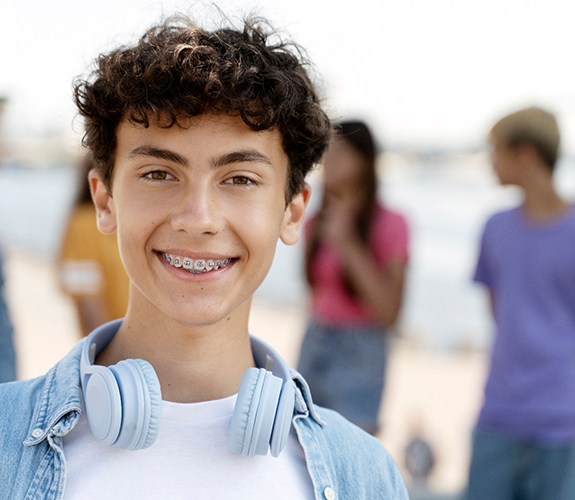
355	263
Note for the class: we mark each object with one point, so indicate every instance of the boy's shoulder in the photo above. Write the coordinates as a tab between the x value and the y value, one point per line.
501	222
21	395
42	400
362	464
18	406
515	218
350	438
506	216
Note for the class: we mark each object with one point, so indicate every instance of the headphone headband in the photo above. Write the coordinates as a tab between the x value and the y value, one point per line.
123	401
264	355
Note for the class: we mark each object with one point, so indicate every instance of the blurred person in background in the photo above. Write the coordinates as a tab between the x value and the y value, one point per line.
524	440
355	262
7	350
90	270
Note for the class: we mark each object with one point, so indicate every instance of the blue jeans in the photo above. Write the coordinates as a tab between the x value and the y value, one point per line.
506	468
7	352
345	366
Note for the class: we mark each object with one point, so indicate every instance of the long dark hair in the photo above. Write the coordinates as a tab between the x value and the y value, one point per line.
357	134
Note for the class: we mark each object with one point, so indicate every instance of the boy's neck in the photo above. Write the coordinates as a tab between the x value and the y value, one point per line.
193	364
542	201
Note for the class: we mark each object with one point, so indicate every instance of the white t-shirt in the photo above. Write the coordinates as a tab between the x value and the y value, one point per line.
189	460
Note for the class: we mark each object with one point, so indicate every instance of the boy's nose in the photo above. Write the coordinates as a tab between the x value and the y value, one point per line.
198	213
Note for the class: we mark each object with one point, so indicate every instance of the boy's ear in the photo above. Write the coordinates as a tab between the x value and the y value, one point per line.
105	210
294	215
530	156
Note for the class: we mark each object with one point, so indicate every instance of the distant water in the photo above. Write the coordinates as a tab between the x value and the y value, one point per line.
446	200
34	203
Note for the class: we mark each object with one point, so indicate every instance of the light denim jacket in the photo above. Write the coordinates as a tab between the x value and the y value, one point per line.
344	462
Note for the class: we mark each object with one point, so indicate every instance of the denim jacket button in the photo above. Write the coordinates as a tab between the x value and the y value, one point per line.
328	493
36	433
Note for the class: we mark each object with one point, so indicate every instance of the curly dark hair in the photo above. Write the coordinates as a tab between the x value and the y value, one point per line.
178	70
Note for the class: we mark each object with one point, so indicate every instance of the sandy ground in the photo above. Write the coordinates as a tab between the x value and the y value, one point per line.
436	391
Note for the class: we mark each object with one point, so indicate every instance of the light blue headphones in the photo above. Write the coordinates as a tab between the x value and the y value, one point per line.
124	401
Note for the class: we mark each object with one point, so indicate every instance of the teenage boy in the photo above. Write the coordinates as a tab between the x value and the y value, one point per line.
203	141
524	442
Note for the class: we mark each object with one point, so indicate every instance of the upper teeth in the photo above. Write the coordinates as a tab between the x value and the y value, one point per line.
196	265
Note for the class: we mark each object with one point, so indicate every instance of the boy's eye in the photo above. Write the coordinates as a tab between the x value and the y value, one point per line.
158	175
241	180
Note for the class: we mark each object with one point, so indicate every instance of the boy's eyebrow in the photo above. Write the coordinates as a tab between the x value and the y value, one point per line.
243	155
160	153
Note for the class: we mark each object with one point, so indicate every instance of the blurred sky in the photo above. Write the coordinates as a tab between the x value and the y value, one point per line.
426	73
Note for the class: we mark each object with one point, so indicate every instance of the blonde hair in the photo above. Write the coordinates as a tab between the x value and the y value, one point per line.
532	126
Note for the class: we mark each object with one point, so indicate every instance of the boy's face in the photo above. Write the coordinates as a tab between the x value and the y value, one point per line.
198	212
505	162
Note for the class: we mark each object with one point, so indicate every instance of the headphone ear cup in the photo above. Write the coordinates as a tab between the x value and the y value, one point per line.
155	392
254	413
141	397
103	405
283	419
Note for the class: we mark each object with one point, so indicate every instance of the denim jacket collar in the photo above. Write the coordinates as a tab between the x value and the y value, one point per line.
341	459
304	406
61	402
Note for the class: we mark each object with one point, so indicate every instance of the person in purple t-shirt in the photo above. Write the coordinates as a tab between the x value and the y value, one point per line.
524	440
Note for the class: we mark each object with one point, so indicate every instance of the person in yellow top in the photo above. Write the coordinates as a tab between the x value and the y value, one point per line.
90	269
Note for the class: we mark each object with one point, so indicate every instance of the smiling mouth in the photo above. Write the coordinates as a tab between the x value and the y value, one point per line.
195	266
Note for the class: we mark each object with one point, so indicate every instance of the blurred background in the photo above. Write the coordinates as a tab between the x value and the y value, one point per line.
429	76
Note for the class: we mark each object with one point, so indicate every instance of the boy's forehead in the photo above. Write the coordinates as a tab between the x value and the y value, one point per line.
207	132
186	123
